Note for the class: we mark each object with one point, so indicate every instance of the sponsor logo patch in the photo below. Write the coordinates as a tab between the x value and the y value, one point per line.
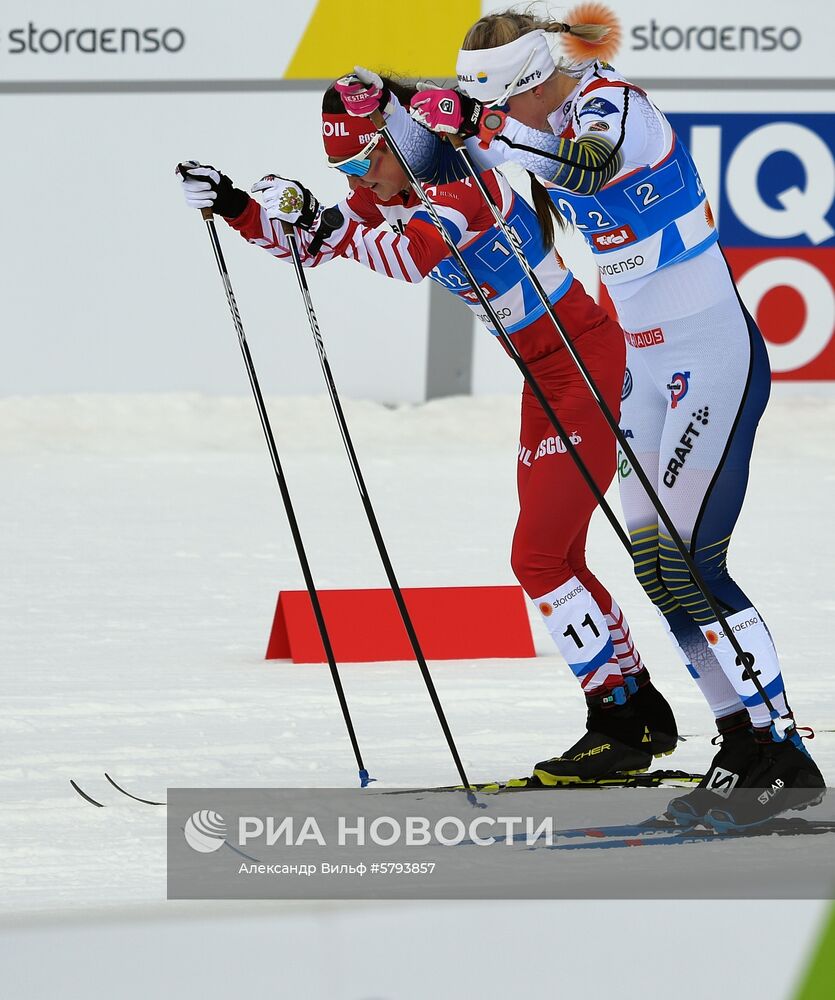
776	787
684	447
645	338
537	73
592	752
555	445
599	107
600	126
627	384
678	386
612	239
722	782
620	266
470	295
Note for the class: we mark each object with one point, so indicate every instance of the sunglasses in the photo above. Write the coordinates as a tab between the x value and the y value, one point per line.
359	165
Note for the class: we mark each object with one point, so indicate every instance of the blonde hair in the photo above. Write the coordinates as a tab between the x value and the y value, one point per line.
493	30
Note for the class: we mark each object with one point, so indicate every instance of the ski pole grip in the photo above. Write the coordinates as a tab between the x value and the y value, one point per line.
331	220
182	170
377	120
286	228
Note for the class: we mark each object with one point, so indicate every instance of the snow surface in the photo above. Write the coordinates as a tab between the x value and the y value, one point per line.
143	545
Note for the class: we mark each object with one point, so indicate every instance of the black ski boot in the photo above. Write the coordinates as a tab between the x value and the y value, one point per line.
783	777
612	744
653	709
737	754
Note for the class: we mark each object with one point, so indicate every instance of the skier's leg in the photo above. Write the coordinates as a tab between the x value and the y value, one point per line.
771	773
649	704
555	508
646	401
706	448
705	454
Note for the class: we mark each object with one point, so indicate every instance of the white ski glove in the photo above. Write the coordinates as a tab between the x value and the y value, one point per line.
288	201
205	186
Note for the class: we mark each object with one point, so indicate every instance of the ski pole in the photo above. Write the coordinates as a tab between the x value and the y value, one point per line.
290	234
380	124
744	659
285	493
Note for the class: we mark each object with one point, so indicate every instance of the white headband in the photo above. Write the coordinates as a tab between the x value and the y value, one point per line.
493	75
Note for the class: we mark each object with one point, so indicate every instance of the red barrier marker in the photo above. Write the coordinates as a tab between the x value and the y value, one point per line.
452	623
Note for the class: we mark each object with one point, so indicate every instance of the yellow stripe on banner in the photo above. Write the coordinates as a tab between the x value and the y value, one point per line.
820	976
414	38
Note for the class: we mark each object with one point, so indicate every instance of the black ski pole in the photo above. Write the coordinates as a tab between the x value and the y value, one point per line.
290	233
380	124
744	659
285	493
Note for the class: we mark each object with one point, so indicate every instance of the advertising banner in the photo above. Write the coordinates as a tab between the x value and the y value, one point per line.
775	213
748	86
315	39
219	42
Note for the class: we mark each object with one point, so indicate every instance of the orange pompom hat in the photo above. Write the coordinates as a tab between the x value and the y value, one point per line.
582	49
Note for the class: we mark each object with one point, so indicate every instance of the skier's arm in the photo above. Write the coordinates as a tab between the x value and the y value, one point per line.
407	256
582	161
412	254
205	186
582	165
364	92
256	227
588	155
363	237
433	160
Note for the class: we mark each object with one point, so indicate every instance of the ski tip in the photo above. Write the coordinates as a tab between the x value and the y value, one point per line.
85	796
136	798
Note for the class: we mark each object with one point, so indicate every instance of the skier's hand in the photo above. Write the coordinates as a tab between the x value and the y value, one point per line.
443	111
205	186
363	92
289	201
449	112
